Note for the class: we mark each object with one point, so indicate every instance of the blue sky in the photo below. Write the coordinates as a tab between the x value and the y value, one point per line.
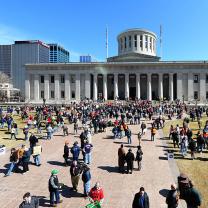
79	25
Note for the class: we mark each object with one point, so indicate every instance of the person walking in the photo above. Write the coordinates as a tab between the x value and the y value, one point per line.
128	134
53	186
172	198
25	160
141	199
139	154
13	161
143	127
153	132
86	178
75	150
66	153
29	201
87	152
75	171
192	147
33	140
192	197
121	159
13	133
37	150
130	161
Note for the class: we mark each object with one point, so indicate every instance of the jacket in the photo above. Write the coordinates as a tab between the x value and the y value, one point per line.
33	204
172	199
192	197
136	199
53	183
26	156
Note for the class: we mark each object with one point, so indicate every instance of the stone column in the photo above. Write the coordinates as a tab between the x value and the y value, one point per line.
138	93
105	92
27	88
36	88
57	87
87	85
115	85
190	86
149	86
95	87
126	85
180	94
46	87
160	93
202	87
77	86
67	87
171	86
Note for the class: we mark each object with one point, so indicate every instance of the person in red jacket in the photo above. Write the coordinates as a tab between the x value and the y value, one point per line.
96	194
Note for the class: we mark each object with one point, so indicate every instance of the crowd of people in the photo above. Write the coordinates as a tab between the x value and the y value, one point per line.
95	118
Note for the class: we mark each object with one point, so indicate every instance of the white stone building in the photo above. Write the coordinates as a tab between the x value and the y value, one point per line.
135	72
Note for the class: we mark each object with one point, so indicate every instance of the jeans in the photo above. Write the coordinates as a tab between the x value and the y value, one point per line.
87	158
13	135
11	167
152	137
49	135
56	194
37	159
87	187
129	140
26	137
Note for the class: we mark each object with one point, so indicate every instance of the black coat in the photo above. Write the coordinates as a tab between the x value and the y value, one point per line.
136	199
33	204
66	151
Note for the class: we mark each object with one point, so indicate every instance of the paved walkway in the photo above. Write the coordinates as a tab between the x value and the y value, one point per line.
119	189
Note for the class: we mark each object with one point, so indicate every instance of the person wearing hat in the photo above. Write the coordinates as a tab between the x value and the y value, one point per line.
29	201
141	199
96	194
172	198
130	161
66	152
53	186
75	150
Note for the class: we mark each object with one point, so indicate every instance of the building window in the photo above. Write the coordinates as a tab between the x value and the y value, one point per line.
150	43
41	79
42	94
135	41
125	42
141	42
206	78
121	44
72	78
52	94
52	79
207	95
73	94
62	94
196	78
195	95
62	79
129	41
146	41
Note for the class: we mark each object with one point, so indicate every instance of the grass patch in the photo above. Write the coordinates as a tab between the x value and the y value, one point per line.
197	170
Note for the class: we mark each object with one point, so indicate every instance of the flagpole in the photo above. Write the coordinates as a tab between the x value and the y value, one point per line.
161	49
106	42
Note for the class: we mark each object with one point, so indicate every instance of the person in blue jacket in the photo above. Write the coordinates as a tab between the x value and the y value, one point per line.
75	150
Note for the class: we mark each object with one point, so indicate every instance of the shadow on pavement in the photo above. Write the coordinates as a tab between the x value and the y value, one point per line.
109	169
67	192
43	201
163	192
56	163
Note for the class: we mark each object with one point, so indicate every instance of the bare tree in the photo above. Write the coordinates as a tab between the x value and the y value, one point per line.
4	78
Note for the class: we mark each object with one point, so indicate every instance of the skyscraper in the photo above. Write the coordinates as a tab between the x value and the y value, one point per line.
58	54
6	59
24	52
85	59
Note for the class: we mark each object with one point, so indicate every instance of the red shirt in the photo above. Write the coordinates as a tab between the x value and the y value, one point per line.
96	194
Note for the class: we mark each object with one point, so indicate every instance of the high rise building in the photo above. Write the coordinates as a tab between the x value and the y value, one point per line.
85	59
24	52
6	59
58	54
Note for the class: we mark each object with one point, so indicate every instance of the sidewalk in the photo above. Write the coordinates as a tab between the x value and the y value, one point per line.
119	189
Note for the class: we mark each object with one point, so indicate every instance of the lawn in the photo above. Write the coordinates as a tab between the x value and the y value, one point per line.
197	169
